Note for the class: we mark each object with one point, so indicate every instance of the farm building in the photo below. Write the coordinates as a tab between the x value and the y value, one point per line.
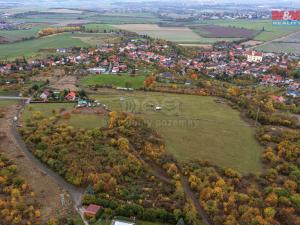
92	210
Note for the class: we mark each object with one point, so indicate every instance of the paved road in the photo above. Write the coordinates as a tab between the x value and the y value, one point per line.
75	192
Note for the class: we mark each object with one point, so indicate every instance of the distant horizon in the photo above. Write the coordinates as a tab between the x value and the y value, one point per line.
83	2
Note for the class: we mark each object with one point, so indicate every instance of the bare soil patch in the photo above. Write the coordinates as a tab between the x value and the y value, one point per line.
85	110
3	40
213	31
58	80
66	82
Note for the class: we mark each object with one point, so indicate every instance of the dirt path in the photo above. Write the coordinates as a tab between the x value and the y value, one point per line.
162	175
190	194
47	190
48	186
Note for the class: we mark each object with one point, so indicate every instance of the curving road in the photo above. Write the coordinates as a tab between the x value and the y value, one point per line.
75	192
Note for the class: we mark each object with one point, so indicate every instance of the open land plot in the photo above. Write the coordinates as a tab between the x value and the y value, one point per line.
194	127
123	20
288	44
17	35
7	92
213	31
32	47
61	19
115	80
268	31
280	47
175	34
293	38
99	27
97	38
86	121
6	103
62	10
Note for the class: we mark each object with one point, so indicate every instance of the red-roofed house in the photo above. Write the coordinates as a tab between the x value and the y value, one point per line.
71	96
278	98
253	56
92	210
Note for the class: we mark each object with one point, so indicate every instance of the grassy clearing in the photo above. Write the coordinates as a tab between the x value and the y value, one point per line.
99	27
32	47
115	80
197	128
7	103
17	35
270	32
194	127
76	219
97	38
46	109
86	121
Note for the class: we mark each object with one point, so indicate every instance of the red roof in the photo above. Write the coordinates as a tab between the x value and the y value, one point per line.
266	77
254	53
92	209
71	94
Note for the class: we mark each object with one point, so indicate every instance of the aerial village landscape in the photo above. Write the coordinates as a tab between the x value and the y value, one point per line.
129	113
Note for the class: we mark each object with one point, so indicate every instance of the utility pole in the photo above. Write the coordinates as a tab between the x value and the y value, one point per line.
256	119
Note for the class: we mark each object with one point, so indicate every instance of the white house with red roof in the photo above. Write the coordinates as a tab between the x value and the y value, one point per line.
253	56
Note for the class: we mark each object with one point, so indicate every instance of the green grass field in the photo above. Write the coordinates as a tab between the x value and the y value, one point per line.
32	47
115	80
193	127
86	121
17	35
197	128
7	103
96	38
270	32
99	27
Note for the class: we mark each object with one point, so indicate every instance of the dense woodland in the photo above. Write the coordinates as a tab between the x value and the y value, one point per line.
17	202
102	161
